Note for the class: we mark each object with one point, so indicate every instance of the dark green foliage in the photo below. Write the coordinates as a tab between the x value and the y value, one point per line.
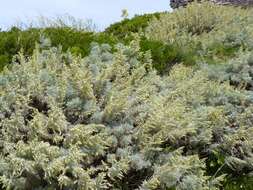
77	42
239	183
128	26
165	56
4	59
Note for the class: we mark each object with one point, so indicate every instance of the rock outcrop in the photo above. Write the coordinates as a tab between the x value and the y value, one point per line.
181	3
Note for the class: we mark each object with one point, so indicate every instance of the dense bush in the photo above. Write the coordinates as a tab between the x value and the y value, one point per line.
238	71
215	32
69	36
165	56
89	115
79	43
108	121
197	20
127	26
76	41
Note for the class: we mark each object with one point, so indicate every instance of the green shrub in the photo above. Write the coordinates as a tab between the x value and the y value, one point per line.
4	60
165	56
78	42
128	26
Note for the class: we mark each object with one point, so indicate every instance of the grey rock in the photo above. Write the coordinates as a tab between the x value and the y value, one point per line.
182	3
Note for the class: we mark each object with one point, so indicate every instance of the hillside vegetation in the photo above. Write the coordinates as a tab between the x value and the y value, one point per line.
157	102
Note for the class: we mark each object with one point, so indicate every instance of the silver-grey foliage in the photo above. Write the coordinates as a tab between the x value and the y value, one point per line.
108	121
